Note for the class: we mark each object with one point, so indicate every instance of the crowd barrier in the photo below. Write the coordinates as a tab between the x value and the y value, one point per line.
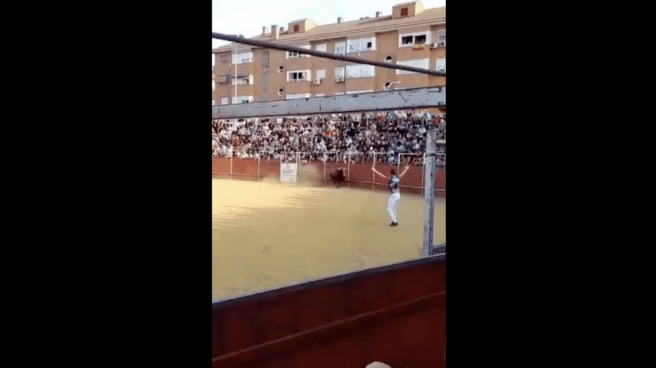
358	175
394	314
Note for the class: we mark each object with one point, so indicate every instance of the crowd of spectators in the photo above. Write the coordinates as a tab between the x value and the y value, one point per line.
335	137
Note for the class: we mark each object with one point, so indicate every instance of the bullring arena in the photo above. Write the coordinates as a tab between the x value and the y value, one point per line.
267	234
307	270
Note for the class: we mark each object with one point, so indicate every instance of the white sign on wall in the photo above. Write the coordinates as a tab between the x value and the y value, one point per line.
288	173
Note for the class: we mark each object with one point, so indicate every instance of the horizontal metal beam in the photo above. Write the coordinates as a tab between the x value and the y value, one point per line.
322	54
415	98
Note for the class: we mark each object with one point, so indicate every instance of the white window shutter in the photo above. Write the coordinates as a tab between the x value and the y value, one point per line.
441	65
417	63
349	71
340	48
421	63
352	46
370	71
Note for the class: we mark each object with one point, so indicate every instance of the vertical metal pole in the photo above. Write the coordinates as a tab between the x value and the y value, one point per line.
348	170
423	172
373	174
235	81
429	196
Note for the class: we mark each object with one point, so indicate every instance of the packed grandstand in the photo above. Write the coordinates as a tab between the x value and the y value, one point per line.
335	137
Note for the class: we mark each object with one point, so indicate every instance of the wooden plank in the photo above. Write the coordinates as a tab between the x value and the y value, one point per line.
414	98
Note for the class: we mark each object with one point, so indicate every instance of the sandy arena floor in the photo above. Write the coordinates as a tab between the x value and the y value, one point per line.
267	235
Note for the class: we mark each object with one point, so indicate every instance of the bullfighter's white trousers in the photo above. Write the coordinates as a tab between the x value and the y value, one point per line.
392	204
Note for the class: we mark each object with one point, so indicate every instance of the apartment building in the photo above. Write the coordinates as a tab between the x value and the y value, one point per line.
411	35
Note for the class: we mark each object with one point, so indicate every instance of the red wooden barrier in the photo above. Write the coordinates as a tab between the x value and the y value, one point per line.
395	314
359	175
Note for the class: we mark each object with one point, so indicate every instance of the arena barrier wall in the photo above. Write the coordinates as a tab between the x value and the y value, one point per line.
394	314
358	175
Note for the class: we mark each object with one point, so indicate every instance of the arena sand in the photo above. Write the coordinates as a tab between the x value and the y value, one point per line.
267	235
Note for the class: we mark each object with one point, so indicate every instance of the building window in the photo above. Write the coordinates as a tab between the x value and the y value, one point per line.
361	44
224	100
417	63
242	80
280	69
441	36
296	28
280	92
404	12
360	71
242	58
224	60
339	72
297	95
440	65
320	47
414	39
244	99
340	48
298	75
294	54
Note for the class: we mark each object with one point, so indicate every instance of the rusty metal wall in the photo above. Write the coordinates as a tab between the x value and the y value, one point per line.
394	314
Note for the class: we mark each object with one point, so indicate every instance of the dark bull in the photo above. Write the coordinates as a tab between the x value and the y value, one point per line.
337	177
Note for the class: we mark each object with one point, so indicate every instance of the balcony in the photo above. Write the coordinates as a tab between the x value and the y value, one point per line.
242	80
